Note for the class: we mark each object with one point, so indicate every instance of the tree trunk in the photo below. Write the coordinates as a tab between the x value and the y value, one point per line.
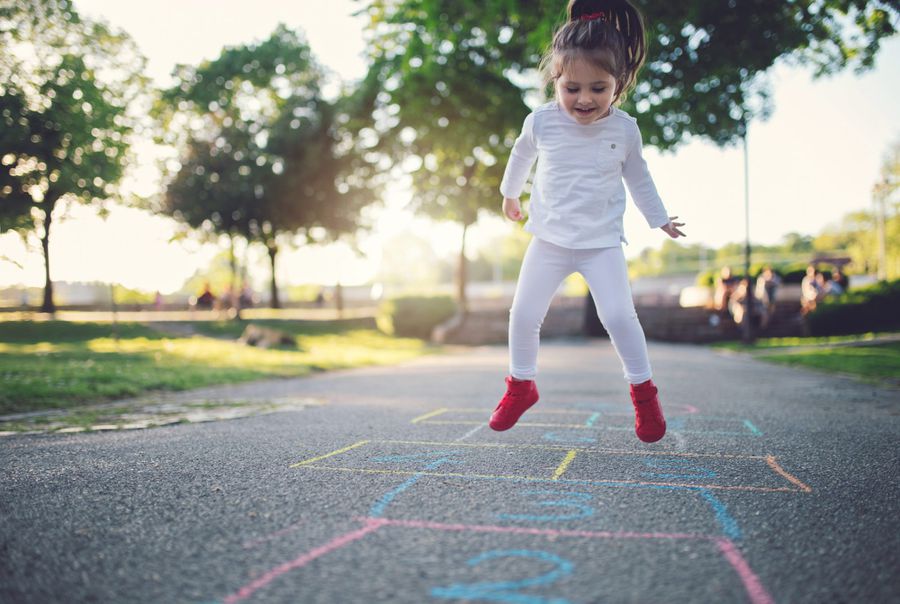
461	275
48	305
233	294
273	250
339	299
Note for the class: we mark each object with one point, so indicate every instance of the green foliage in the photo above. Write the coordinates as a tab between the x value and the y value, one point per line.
705	64
68	110
447	81
856	237
414	316
861	234
304	293
264	156
671	258
441	106
873	308
134	296
223	114
790	273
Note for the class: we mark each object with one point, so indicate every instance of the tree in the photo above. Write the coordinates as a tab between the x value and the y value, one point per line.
884	194
706	61
67	105
452	76
670	259
263	156
872	237
450	115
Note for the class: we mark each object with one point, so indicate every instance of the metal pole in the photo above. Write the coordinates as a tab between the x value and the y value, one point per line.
747	331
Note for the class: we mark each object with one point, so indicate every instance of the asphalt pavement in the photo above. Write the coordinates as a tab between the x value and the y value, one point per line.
772	485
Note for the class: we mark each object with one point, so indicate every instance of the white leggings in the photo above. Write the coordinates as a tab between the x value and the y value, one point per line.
543	270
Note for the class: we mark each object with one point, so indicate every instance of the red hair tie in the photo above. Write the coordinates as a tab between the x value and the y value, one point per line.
592	16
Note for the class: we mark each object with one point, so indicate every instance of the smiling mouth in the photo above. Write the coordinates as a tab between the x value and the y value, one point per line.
580	111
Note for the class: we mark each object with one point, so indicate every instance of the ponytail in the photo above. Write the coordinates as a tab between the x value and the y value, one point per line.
613	30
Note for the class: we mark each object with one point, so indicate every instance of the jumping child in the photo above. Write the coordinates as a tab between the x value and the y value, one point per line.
584	146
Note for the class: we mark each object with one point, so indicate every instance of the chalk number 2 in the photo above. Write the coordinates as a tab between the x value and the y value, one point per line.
509	591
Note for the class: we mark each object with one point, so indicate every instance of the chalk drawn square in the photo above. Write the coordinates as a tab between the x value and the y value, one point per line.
573	464
561	505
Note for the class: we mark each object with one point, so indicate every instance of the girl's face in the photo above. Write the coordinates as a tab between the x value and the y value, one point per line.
585	91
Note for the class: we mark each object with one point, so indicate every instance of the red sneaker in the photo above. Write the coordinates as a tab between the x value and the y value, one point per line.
520	396
649	423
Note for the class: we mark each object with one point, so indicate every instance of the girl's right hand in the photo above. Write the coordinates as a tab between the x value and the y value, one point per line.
512	209
672	229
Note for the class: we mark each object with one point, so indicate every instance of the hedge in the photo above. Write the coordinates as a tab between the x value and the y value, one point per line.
792	273
873	308
414	316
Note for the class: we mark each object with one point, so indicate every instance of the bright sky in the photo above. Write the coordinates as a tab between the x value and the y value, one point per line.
813	161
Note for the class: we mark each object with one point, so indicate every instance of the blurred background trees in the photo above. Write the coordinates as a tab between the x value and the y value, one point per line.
705	61
443	109
454	78
262	153
263	158
70	105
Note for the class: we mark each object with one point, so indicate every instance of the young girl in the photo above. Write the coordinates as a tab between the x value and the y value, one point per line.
584	147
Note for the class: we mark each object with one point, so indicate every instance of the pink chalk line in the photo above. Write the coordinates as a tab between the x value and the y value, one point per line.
518	530
755	590
245	592
251	543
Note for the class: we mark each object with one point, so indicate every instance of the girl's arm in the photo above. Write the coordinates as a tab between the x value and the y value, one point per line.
522	157
641	185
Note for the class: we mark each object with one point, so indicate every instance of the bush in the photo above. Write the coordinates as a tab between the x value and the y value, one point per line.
872	308
414	316
792	273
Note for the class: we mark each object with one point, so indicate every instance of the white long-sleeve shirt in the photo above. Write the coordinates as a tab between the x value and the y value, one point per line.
577	195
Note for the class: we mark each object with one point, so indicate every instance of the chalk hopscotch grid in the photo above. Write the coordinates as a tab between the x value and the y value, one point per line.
374	522
756	592
571	452
726	546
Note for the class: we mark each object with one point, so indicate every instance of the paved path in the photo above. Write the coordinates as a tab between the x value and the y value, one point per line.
772	485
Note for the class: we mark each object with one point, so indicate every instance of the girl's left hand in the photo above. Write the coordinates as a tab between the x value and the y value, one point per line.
672	229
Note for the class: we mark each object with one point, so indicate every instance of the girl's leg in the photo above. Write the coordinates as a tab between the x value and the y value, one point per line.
543	270
606	272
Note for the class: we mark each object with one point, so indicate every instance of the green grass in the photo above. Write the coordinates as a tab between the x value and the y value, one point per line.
57	365
876	361
861	355
766	343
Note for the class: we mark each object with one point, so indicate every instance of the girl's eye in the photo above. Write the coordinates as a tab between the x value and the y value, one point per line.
572	90
599	90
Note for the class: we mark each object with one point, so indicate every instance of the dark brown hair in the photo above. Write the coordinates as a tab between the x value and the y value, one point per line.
607	33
